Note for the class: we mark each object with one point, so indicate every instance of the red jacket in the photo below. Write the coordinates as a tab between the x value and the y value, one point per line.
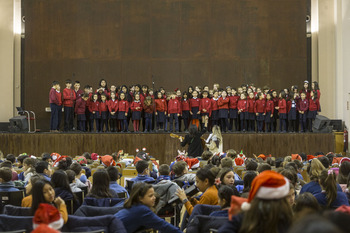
214	105
68	97
314	105
307	93
194	103
251	105
303	105
134	105
270	107
223	103
233	101
260	106
53	97
185	105
282	106
174	106
103	106
205	104
161	105
80	106
148	108
242	105
112	105
123	106
79	93
275	101
94	106
59	98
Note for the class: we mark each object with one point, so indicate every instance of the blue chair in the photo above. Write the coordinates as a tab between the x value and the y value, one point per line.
205	224
16	223
103	202
17	211
91	211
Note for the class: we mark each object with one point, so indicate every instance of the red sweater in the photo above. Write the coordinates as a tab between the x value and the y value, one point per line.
251	105
303	105
242	105
134	105
112	105
123	106
314	105
94	106
194	103
233	101
205	104
80	106
103	106
214	105
223	103
148	108
161	105
54	98
174	106
79	93
260	106
185	105
270	107
282	106
68	97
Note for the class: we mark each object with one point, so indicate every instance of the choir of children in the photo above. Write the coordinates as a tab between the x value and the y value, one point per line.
112	109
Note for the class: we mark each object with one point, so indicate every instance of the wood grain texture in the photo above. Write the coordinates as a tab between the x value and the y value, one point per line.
162	146
178	42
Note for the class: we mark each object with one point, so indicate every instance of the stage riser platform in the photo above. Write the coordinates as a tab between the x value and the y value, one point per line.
161	146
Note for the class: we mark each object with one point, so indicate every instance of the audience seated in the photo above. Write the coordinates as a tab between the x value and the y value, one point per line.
8	164
28	169
142	168
27	201
6	185
181	173
79	176
100	188
42	168
113	174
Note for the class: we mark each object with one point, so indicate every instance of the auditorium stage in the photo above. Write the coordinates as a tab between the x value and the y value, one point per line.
161	145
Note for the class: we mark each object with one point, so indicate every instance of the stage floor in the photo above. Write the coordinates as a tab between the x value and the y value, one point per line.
161	145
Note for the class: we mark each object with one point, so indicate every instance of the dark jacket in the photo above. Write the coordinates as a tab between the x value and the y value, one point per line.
195	148
103	202
12	223
203	224
91	211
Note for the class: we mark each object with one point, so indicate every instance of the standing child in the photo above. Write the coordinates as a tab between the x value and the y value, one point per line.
270	107
68	103
194	106
314	107
306	89
185	107
275	112
251	113
292	112
204	106
242	111
303	107
174	111
260	111
80	107
55	98
94	108
315	87
123	109
214	109
103	108
282	108
233	115
136	108
223	103
78	92
161	109
113	109
148	110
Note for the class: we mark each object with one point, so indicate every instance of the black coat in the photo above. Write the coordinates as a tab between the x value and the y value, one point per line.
195	148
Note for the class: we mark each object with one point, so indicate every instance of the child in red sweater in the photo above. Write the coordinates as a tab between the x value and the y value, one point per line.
185	108
113	109
103	109
94	108
80	107
55	99
174	112
233	111
314	107
223	110
260	110
136	108
161	109
68	103
282	109
242	111
204	106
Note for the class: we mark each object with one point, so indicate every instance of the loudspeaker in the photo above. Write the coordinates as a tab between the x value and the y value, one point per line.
321	125
337	125
18	124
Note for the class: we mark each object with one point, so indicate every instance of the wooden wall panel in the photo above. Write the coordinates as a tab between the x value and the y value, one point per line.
162	146
178	42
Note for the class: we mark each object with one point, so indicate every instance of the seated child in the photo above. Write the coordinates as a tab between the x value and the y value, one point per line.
42	168
6	185
72	182
225	192
28	169
181	173
27	201
142	168
8	164
76	167
113	184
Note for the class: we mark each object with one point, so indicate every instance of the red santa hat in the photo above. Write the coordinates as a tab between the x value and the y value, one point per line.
262	156
47	214
344	160
268	185
60	158
296	157
107	161
94	156
43	228
55	156
239	161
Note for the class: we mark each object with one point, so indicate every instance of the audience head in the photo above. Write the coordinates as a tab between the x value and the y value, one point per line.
206	155
279	162
226	163
42	192
29	163
7	164
59	179
303	156
71	176
231	153
42	167
306	202
141	193
164	170
247	180
344	171
251	165
299	164
76	167
5	175
21	158
193	130
204	179
324	160
314	223
215	160
142	167
11	158
315	169
225	192
100	187
33	179
291	175
264	167
46	157
327	180
180	168
65	163
226	176
113	173
270	161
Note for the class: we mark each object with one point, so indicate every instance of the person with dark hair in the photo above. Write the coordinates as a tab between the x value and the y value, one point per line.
142	168
71	181
43	192
251	165
6	185
55	99
264	167
306	202
205	183
330	198
113	174
8	164
227	176
270	161
65	163
344	171
180	169
206	155
225	193
324	160
100	187
69	98
28	169
137	213
279	162
314	223
27	201
46	157
79	176
193	139
247	182
42	168
291	175
11	158
60	183
20	160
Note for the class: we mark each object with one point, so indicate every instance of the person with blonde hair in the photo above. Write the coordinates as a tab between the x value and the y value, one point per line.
214	141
